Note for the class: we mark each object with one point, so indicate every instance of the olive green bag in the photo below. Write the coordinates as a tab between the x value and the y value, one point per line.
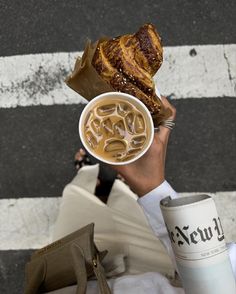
69	261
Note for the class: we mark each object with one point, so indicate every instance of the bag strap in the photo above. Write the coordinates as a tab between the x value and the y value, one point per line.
81	274
79	268
100	275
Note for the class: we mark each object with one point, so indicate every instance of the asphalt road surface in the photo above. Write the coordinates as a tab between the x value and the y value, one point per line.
38	140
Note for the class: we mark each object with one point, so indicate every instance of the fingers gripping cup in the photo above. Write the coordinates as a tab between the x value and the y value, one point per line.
116	128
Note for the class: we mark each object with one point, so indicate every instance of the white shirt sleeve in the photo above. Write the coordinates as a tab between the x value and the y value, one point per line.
151	207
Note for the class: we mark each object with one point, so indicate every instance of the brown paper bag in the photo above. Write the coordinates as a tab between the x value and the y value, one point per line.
85	80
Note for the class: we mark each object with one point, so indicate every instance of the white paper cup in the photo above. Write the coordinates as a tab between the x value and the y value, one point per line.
113	96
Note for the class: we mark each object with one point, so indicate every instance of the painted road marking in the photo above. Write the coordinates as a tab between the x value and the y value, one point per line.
188	71
27	223
198	71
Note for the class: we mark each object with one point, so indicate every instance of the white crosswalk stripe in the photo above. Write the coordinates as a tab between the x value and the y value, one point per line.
187	71
27	223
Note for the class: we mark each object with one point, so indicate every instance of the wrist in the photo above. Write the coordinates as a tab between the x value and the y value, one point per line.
147	186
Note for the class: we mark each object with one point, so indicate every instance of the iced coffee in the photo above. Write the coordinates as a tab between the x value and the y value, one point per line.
116	130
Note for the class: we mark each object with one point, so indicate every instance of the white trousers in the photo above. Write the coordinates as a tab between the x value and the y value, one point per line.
120	225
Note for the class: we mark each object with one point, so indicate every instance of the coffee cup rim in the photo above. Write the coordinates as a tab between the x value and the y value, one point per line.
122	95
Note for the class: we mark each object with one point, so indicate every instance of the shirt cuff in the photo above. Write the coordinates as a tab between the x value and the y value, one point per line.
157	194
150	203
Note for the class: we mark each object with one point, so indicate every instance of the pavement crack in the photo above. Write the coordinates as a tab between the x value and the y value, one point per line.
228	66
231	77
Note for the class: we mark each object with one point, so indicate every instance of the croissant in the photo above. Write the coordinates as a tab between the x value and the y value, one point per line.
128	63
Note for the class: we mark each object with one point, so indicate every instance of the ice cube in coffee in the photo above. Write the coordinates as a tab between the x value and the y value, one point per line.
116	131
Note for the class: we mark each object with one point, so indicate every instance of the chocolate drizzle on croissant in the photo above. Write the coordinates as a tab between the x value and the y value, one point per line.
129	62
